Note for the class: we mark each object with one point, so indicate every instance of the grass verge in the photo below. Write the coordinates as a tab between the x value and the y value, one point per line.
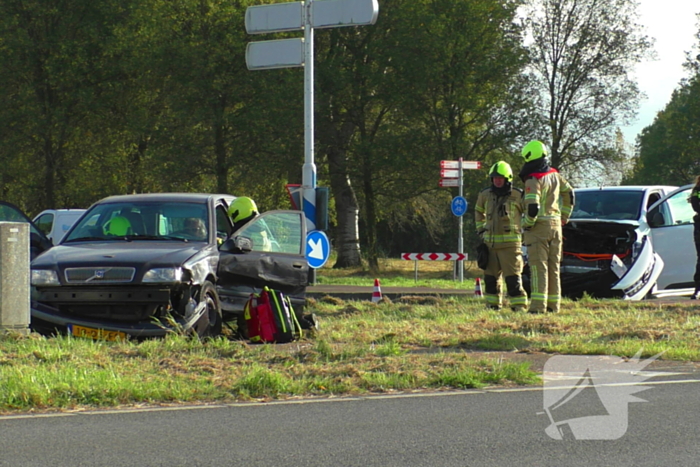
416	344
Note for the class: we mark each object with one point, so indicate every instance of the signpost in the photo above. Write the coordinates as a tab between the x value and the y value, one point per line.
308	15
451	173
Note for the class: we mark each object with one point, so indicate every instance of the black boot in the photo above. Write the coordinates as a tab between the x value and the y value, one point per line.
696	294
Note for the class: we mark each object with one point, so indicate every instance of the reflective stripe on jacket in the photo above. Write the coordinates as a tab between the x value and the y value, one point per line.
499	217
544	190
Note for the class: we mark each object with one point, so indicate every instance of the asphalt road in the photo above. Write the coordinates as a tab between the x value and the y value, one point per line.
499	427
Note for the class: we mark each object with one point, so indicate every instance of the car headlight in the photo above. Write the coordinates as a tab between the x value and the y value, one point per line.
44	277
163	275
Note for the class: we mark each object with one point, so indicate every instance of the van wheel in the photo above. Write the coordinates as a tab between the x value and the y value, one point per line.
210	324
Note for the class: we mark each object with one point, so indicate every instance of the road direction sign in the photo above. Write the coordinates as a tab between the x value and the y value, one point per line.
449	173
459	206
335	13
445	182
277	17
466	165
318	248
267	55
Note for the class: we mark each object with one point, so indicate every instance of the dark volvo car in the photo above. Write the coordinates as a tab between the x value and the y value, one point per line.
141	265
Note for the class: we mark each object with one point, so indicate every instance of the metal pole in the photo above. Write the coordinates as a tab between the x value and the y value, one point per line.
308	180
415	270
460	240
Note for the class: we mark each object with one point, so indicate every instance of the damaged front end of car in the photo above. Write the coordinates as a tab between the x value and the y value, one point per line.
607	260
116	301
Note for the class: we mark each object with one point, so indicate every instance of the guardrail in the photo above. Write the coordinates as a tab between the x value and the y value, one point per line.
415	257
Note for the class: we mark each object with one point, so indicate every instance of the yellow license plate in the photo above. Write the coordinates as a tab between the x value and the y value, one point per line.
93	333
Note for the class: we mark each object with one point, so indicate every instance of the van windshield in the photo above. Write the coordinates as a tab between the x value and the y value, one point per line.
608	204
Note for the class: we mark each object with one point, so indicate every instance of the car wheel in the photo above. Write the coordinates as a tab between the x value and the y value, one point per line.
209	325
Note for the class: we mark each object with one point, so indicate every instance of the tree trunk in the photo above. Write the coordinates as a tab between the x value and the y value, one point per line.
370	216
220	149
135	183
347	241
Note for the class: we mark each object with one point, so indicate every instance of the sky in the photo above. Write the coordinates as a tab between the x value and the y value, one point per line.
672	23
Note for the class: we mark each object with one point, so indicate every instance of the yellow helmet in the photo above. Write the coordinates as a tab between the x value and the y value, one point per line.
242	208
118	226
501	169
534	150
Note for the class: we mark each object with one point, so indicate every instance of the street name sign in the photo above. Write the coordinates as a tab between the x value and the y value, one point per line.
268	55
447	182
278	17
449	173
466	165
336	13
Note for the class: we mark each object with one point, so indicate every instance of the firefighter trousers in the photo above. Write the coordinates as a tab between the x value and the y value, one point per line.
506	261
544	250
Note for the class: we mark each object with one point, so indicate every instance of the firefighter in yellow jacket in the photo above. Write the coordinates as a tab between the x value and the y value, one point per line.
548	202
498	215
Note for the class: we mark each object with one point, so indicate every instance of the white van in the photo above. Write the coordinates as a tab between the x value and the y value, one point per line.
54	223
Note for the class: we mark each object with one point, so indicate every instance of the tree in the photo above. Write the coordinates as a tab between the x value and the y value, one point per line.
51	75
431	80
581	53
668	148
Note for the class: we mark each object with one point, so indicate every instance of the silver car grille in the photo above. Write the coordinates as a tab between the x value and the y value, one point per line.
99	275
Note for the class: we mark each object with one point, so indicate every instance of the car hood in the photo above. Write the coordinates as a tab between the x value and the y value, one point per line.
133	253
605	221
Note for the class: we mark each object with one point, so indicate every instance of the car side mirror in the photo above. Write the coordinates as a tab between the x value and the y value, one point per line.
237	245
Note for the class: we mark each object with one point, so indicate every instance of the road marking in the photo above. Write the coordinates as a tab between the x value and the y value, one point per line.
467	392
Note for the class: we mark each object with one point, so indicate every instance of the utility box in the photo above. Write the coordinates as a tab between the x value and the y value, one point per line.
14	277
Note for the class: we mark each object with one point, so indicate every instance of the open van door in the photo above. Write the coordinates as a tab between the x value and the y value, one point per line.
671	224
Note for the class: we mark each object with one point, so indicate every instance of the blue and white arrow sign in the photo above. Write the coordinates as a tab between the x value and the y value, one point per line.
318	248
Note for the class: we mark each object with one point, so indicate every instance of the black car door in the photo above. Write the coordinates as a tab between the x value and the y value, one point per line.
38	242
274	256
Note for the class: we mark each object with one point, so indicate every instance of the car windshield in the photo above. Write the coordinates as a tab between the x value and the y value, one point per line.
608	204
143	220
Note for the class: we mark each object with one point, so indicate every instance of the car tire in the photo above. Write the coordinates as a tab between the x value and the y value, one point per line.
211	322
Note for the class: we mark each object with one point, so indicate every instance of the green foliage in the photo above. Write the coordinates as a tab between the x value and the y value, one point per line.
581	57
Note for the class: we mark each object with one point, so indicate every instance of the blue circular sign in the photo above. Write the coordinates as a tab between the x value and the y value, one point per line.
318	249
459	206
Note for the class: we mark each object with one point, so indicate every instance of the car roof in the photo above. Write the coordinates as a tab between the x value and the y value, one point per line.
629	188
164	197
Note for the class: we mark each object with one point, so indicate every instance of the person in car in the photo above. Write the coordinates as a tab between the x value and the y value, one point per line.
195	228
118	226
695	203
498	216
243	210
544	189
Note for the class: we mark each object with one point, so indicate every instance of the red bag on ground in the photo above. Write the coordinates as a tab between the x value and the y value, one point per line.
259	319
270	317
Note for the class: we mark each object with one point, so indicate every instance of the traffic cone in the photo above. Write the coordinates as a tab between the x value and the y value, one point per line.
377	293
477	288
